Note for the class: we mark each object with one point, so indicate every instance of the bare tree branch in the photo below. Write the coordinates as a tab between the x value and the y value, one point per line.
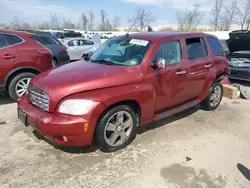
243	12
91	18
228	16
142	18
84	18
189	20
55	22
216	13
115	22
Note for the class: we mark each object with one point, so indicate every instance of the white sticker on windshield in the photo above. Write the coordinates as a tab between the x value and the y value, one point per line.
139	42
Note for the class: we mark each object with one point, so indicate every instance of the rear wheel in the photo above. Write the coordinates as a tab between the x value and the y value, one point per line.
54	63
18	86
214	97
116	129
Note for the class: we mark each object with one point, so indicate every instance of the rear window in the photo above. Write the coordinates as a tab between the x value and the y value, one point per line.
3	42
196	48
12	39
216	46
46	40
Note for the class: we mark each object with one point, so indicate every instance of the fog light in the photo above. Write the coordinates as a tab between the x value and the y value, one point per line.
65	139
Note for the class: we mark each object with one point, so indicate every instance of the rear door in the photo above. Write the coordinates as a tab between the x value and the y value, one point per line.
199	63
9	55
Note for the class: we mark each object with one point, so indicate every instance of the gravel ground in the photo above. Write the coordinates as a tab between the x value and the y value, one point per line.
194	149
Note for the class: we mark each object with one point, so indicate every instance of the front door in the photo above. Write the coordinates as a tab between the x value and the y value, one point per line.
171	81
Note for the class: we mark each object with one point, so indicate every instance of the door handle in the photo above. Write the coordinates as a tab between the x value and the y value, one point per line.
208	65
180	72
8	57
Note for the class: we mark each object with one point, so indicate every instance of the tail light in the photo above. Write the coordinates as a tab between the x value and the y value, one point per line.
64	48
44	52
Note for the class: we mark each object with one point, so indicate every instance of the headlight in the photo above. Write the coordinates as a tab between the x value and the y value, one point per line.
76	106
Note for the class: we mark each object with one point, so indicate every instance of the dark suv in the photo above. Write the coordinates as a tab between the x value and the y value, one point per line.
128	82
59	51
21	58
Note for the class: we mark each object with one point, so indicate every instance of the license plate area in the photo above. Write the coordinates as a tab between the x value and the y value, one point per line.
22	116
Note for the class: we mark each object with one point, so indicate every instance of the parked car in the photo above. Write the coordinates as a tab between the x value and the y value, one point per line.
71	34
78	47
225	47
21	59
128	82
59	51
239	58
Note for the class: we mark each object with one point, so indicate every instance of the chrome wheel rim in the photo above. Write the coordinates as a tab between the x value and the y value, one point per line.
21	87
118	128
216	96
53	63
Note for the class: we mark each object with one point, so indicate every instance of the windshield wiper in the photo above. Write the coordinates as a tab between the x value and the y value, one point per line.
103	61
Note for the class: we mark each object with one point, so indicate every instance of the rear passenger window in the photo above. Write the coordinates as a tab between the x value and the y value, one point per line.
170	51
3	42
216	46
196	48
47	41
86	42
12	39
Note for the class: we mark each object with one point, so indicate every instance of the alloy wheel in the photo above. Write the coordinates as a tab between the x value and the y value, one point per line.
21	87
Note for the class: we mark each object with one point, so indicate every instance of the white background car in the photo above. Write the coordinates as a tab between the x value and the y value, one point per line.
77	47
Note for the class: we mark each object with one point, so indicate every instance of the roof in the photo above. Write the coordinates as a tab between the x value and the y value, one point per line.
161	35
15	32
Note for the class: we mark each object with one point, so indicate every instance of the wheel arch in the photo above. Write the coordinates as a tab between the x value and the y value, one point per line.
17	71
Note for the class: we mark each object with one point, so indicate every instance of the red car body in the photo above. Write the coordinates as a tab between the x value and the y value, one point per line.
24	56
157	93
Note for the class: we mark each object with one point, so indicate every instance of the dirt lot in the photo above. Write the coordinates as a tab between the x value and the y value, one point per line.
194	149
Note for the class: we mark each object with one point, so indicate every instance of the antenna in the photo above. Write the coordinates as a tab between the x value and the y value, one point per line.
131	28
9	25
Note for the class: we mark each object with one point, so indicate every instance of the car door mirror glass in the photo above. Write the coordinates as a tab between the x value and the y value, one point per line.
161	63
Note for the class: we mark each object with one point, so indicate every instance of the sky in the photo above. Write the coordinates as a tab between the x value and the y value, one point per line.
38	11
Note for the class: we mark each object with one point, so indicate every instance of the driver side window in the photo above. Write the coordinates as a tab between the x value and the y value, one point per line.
170	51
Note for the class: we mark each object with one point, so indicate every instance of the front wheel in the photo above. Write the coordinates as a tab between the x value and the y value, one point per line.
19	85
214	97
116	129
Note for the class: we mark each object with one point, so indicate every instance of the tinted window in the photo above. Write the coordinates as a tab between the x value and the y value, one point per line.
196	48
170	51
86	42
12	39
224	45
46	41
3	42
216	46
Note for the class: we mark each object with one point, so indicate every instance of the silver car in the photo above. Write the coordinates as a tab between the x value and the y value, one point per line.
77	47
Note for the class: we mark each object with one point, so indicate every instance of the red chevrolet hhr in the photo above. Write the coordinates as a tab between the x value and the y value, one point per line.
129	81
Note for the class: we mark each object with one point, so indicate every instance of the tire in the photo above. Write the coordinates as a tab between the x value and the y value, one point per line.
13	86
211	103
54	63
116	131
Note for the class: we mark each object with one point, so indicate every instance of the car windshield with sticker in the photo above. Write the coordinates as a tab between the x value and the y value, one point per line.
121	51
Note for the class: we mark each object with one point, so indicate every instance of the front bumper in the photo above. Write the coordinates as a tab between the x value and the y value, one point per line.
239	73
53	126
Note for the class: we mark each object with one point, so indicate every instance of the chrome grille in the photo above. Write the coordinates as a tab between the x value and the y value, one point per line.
38	98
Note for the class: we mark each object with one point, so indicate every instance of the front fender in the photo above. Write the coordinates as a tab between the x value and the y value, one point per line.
143	94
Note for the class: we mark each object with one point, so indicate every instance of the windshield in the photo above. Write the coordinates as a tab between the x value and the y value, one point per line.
121	51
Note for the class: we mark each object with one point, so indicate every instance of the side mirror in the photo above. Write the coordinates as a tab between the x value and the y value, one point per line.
161	63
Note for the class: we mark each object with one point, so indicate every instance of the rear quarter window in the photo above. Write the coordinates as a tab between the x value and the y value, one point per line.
216	46
12	39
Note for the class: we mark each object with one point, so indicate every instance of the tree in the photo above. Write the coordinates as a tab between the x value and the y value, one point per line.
3	26
243	12
105	24
91	19
55	22
142	18
167	28
115	20
43	26
67	24
229	15
216	13
84	21
188	20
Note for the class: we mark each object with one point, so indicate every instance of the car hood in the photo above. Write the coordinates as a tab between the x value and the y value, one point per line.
84	76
